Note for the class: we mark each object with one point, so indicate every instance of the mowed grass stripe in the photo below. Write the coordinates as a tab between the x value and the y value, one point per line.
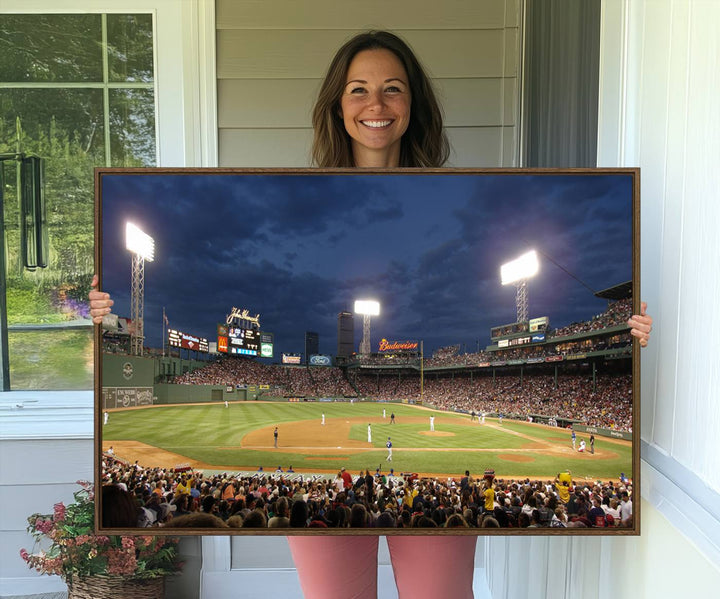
459	437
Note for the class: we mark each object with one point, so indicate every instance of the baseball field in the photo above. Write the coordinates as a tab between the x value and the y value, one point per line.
239	437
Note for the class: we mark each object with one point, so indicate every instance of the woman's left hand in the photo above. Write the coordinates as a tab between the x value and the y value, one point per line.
100	303
641	325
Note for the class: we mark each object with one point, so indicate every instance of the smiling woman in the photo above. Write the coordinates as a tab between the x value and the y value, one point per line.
375	107
372	83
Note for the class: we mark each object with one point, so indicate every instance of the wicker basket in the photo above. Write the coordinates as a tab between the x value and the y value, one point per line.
116	587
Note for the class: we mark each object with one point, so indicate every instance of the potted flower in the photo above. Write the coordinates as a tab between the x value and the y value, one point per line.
96	566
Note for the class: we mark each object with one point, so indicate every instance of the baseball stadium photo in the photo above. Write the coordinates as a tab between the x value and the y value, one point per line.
307	352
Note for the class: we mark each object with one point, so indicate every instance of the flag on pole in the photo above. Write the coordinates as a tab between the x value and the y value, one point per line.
165	323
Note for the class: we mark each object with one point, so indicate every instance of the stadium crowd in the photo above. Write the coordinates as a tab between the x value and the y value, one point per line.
289	381
165	497
526	352
400	359
617	314
609	406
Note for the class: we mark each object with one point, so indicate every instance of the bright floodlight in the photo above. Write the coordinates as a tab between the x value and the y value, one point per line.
139	243
524	267
367	307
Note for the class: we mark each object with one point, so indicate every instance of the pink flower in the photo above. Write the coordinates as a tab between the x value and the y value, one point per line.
53	565
128	543
59	512
43	526
24	555
121	562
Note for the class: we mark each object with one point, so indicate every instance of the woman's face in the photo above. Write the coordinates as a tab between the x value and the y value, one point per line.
375	107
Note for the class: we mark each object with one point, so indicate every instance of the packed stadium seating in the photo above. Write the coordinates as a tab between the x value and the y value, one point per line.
166	498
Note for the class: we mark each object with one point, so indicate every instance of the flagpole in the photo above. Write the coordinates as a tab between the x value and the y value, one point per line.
163	330
422	374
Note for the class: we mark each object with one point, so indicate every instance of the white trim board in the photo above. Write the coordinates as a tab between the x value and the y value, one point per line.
682	497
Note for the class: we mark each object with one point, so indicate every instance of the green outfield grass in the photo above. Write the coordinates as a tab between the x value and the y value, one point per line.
213	434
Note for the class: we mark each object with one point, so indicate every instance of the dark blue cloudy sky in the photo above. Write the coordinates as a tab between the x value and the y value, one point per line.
299	248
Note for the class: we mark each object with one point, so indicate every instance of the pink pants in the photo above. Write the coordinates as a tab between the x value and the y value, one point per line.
424	567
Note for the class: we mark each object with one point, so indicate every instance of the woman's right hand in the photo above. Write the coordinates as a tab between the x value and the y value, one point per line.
100	302
641	325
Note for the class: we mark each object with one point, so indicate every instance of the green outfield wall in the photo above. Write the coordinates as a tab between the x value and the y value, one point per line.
166	393
121	370
175	394
127	371
604	432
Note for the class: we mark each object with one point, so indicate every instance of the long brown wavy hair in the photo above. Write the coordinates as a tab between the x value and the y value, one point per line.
424	144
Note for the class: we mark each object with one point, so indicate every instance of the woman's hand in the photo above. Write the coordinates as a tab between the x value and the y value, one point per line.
100	302
641	325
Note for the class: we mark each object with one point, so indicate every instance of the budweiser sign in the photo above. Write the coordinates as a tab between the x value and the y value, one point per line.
386	345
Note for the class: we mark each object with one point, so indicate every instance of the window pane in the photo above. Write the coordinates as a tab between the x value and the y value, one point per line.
130	48
53	121
52	359
65	127
41	48
132	127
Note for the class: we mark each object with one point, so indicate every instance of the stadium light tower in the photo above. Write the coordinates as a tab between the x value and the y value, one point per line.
142	247
367	308
518	271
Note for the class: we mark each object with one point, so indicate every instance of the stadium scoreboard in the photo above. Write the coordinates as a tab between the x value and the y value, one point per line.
515	329
242	341
185	341
267	345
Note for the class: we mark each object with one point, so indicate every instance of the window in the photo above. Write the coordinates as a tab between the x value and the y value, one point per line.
77	90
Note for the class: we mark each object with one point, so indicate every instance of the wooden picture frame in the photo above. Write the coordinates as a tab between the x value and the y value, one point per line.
250	257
